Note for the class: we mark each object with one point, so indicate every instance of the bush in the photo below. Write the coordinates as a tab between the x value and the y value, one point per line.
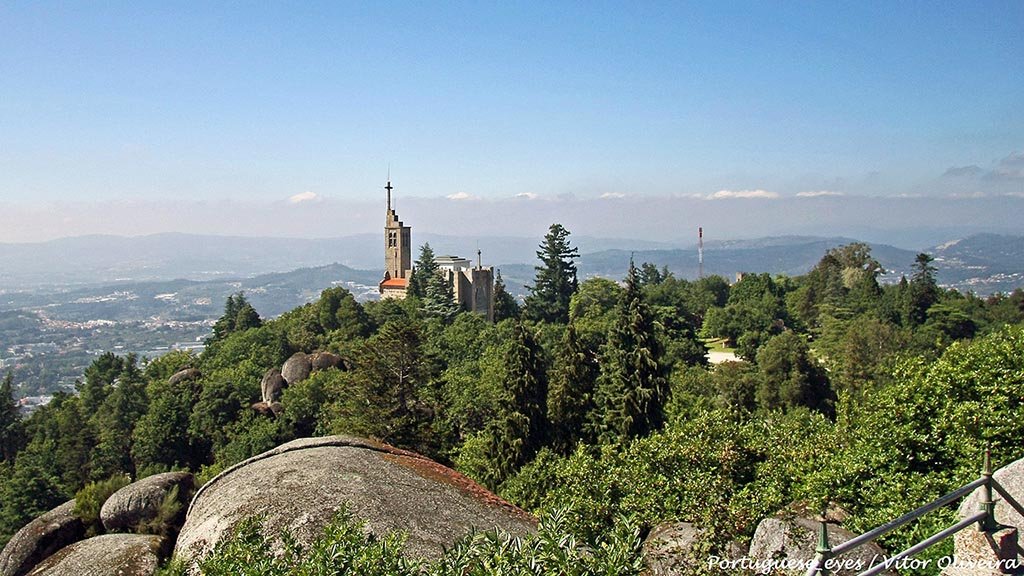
89	500
346	548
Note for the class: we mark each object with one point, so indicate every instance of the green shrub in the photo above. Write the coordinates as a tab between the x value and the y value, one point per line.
89	500
345	548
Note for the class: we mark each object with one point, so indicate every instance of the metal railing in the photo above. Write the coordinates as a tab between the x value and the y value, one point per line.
985	519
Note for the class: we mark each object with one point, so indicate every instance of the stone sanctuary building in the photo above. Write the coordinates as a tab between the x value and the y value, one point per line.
473	286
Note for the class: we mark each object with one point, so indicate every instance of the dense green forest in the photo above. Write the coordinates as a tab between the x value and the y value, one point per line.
591	402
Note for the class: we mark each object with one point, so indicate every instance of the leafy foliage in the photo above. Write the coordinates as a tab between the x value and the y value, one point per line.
345	547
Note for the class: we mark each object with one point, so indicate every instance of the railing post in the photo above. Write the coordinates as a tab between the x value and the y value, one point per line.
824	549
988	504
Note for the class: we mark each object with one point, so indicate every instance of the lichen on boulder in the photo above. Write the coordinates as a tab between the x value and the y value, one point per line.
40	538
302	485
141	501
106	555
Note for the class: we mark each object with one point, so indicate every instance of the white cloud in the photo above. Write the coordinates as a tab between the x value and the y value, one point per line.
728	194
527	196
306	196
460	196
818	193
608	195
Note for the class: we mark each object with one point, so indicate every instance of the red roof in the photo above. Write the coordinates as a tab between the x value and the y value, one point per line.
395	283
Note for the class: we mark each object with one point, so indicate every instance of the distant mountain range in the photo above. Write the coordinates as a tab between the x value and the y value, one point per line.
217	265
91	260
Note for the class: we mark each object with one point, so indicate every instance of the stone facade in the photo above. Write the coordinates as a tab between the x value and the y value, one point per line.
473	286
397	254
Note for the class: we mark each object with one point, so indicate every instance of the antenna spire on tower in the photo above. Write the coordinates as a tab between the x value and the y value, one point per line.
700	250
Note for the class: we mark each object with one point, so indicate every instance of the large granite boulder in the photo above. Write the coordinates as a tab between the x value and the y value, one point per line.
107	555
40	538
325	360
184	375
140	501
296	368
793	540
300	486
1011	479
271	385
978	553
676	548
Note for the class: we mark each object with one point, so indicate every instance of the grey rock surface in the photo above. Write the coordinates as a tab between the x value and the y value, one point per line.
296	368
41	538
301	485
674	548
980	553
1011	479
107	555
141	500
325	360
271	385
183	375
795	538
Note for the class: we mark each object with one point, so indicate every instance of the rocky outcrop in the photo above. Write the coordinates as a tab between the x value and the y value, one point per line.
271	385
296	368
300	486
675	548
325	360
794	539
1011	479
107	555
41	538
183	375
978	553
140	501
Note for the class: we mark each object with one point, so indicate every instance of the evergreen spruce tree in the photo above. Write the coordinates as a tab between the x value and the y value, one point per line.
425	269
633	386
570	397
505	305
555	282
238	315
520	428
922	292
440	297
11	428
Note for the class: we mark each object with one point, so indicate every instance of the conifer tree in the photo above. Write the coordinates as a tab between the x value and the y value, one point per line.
238	315
555	281
505	305
424	270
440	297
923	291
11	428
570	397
633	386
520	428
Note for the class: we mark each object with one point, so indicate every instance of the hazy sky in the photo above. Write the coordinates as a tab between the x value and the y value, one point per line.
164	110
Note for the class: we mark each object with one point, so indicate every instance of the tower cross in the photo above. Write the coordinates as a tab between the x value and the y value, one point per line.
389	188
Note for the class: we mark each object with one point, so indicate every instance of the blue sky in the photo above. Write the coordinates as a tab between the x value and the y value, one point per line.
261	102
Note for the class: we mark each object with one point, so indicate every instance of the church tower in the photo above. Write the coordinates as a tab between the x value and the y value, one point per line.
397	253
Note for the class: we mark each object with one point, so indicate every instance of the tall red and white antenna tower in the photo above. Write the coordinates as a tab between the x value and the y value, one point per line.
700	250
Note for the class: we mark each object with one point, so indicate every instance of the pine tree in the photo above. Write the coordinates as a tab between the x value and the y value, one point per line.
238	315
555	282
633	387
11	427
570	397
520	428
923	291
440	297
505	305
424	270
